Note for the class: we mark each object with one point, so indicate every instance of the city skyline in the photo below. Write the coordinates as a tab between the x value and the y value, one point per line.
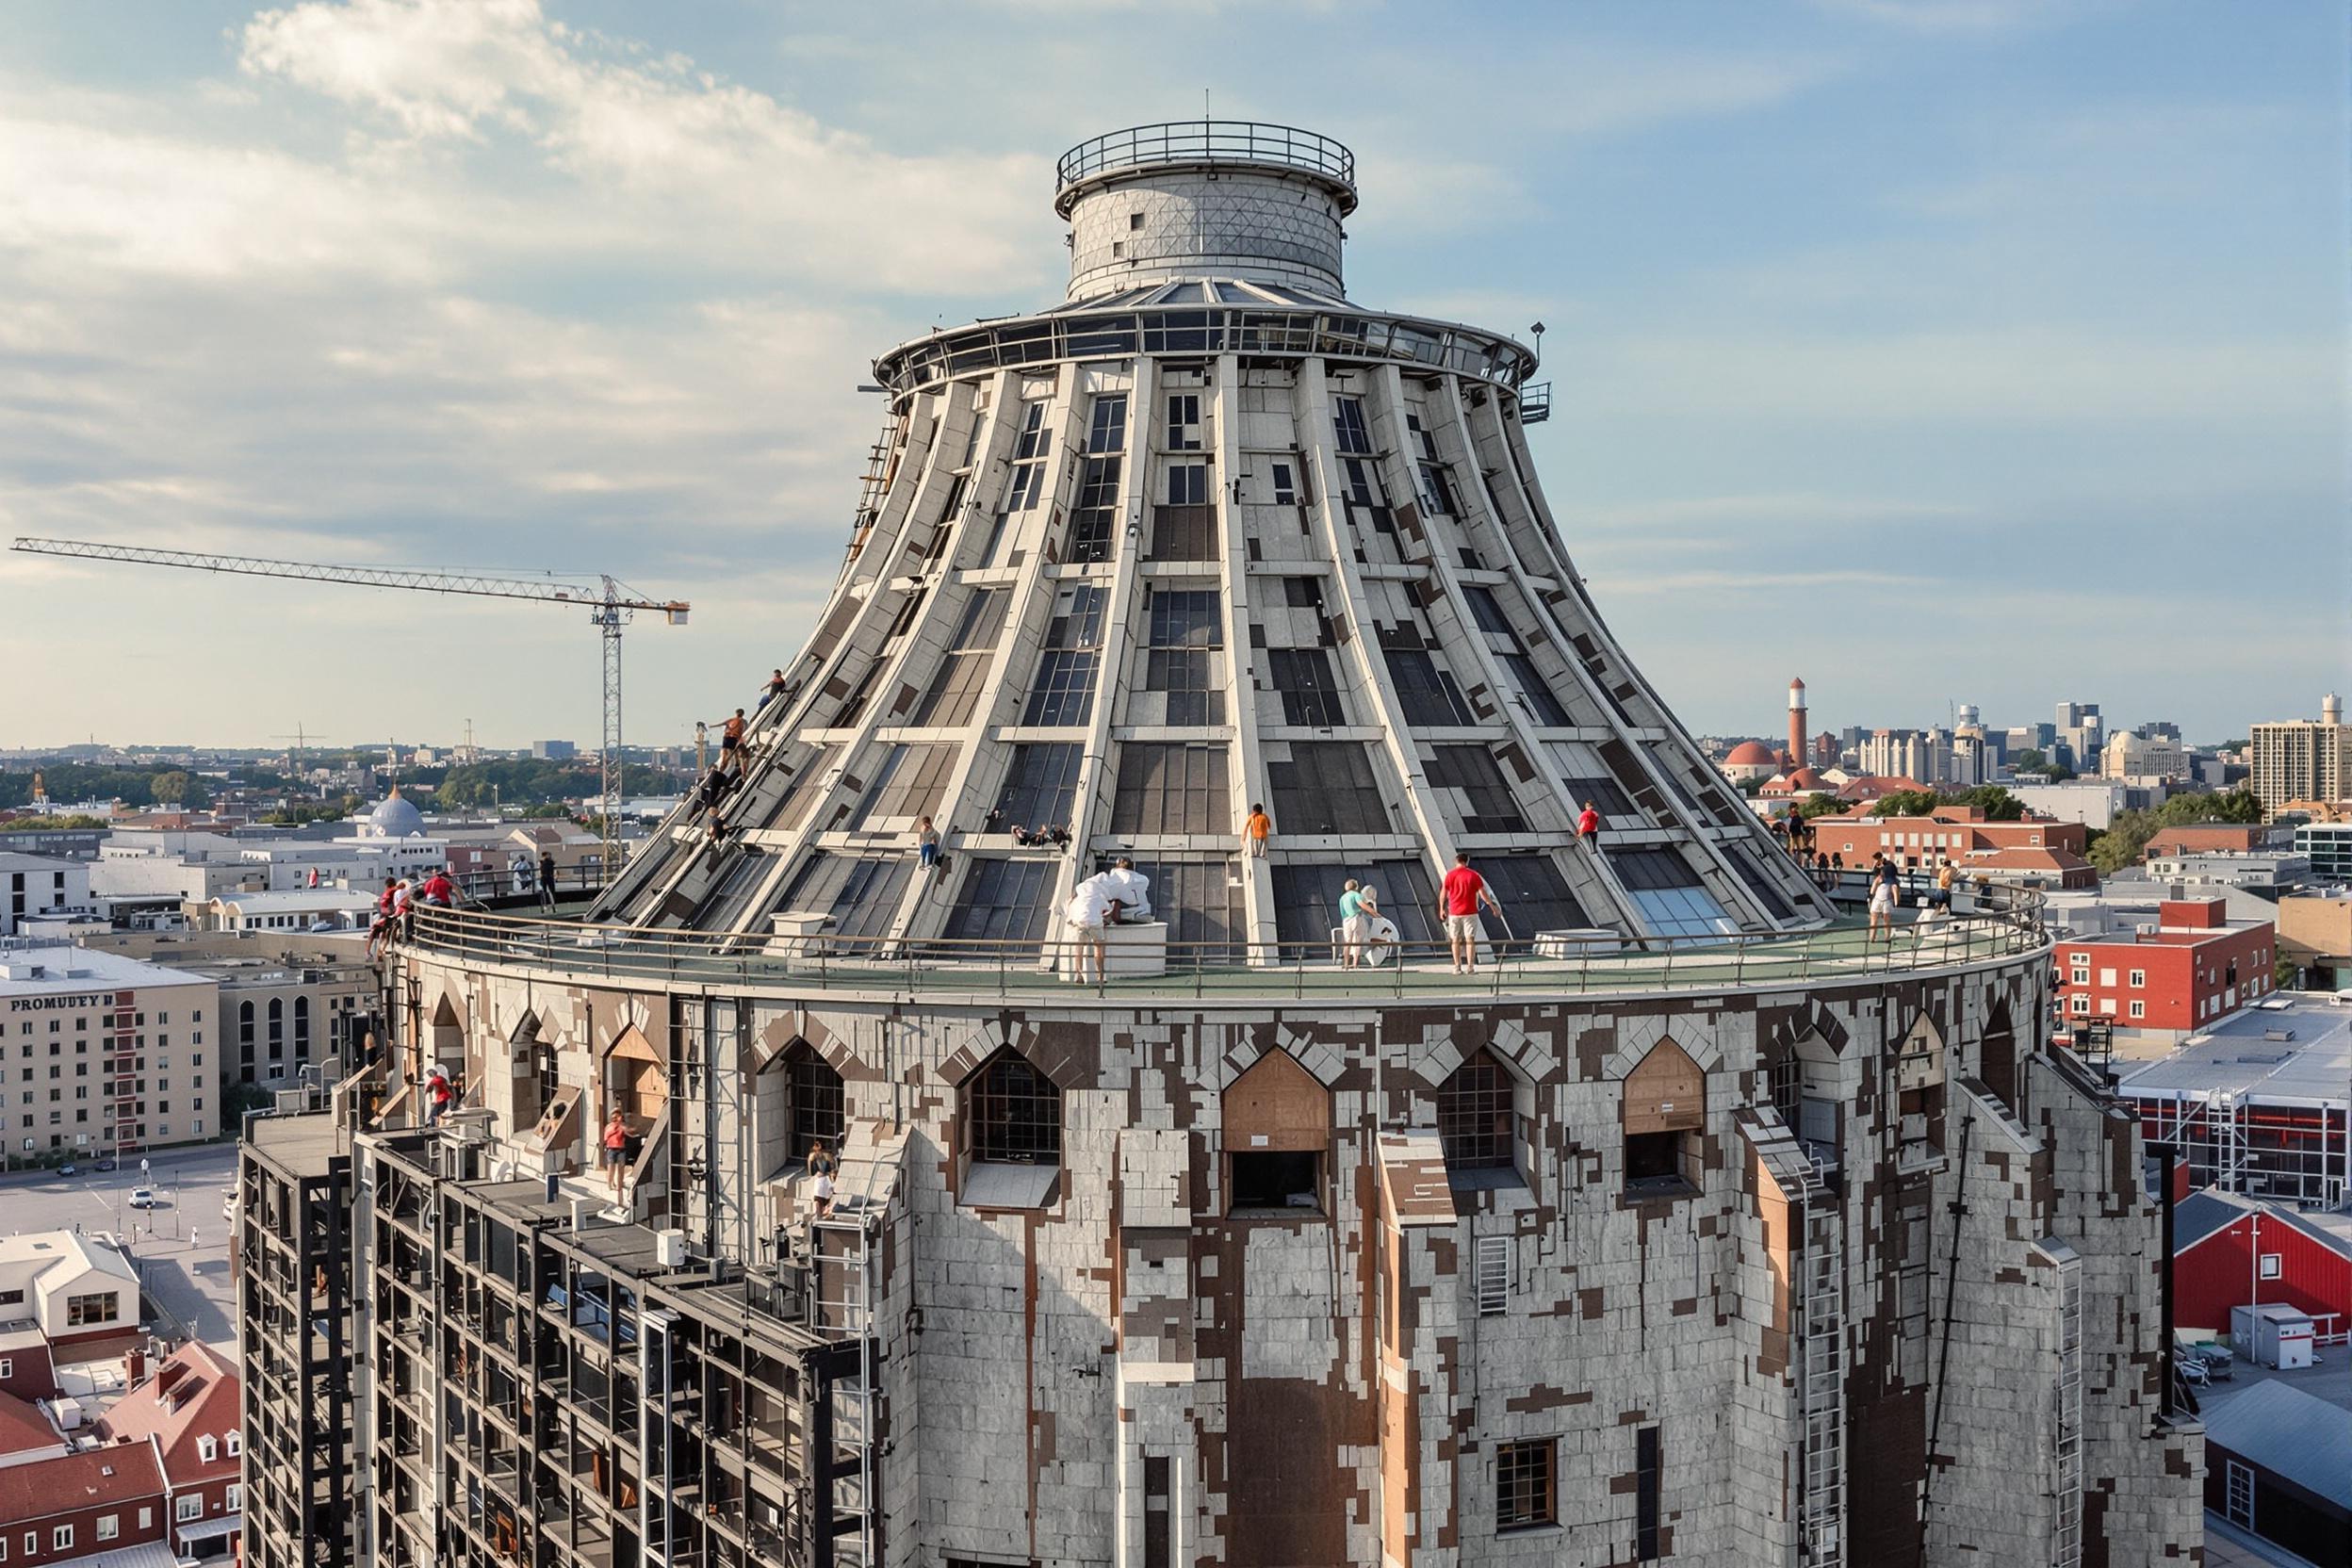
1876	330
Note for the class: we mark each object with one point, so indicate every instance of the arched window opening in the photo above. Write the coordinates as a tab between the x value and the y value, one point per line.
1474	1115
1013	1115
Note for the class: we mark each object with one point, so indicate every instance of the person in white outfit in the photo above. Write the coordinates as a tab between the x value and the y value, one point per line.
1089	907
1131	887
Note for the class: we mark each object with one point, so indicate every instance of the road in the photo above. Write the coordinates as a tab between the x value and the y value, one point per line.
181	1247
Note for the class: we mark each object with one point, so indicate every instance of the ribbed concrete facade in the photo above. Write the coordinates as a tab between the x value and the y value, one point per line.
1698	1232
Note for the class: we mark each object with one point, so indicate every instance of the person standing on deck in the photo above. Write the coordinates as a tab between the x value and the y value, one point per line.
1464	894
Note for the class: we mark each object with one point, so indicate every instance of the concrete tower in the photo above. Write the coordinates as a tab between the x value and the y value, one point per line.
1647	1245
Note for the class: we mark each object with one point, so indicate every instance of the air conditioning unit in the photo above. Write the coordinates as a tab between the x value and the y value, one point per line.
669	1249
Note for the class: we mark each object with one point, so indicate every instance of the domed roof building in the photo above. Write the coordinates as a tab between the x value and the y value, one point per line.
394	817
1751	763
1616	1249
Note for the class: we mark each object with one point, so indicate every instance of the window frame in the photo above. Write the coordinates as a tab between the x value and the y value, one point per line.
1518	1464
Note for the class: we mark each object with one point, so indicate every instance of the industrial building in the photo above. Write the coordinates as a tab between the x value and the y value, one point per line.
2260	1102
1685	1228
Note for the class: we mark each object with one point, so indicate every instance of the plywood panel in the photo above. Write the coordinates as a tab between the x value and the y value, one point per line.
1666	1093
1276	1105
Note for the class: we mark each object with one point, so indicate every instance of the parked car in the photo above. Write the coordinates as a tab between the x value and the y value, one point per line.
142	1198
107	1164
69	1169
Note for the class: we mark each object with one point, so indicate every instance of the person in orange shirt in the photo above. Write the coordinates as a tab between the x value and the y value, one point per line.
1253	831
731	742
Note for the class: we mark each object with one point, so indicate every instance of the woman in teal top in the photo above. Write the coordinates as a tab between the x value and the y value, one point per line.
1351	925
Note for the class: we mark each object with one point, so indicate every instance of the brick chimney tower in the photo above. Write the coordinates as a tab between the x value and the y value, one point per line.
1796	724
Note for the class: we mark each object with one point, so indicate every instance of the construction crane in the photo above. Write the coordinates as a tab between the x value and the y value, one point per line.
610	606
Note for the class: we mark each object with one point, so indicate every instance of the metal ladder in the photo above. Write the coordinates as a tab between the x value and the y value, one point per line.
2067	1450
850	1270
1821	1384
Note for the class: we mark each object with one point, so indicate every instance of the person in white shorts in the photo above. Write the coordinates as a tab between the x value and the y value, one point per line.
1089	907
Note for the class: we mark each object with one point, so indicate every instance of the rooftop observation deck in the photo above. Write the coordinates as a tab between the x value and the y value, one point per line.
1193	143
1991	926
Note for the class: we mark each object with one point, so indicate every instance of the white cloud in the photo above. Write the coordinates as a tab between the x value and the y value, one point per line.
2056	374
1779	509
668	155
1964	18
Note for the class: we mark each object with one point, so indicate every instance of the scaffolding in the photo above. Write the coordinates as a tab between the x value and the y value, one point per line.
841	1270
1822	1383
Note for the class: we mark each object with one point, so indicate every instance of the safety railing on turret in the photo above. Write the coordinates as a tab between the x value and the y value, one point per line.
1985	926
1182	141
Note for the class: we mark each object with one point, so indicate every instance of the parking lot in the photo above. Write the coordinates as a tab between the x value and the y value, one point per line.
180	1247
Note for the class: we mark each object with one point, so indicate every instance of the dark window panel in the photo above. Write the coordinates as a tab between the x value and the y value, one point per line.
1326	787
1006	901
1426	694
1168	787
1039	786
860	892
1489	804
1306	900
1303	676
1533	894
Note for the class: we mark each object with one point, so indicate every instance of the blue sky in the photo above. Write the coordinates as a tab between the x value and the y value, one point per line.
1934	350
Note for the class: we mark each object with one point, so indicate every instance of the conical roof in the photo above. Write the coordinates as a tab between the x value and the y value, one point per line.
1207	536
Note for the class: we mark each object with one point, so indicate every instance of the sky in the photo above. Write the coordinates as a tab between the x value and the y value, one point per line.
1935	351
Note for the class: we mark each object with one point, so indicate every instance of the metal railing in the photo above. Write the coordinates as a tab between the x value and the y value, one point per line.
1991	926
1205	142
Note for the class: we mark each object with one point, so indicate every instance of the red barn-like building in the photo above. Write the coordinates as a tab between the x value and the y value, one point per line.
2225	1248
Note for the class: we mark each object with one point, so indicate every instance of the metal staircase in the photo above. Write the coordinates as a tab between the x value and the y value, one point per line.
1822	1383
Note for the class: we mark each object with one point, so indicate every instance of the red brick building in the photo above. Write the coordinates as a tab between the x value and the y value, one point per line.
2225	1248
2216	837
61	1507
2195	967
2040	848
189	1412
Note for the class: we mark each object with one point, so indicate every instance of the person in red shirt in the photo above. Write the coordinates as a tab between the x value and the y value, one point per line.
438	890
1589	825
1465	892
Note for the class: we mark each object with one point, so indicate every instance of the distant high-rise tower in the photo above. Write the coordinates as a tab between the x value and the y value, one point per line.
1796	723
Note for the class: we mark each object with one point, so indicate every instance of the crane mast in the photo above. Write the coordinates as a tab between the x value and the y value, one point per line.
610	609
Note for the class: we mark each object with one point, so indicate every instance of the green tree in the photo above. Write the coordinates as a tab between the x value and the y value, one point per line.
2031	759
1905	803
2123	842
2239	807
169	788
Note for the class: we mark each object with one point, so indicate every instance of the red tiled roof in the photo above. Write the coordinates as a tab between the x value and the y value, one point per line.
24	1428
90	1479
203	1396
